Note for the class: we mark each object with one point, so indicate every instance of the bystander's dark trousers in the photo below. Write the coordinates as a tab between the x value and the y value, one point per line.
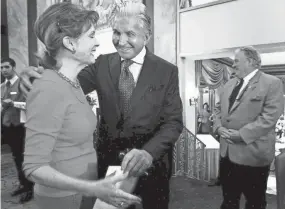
241	179
15	138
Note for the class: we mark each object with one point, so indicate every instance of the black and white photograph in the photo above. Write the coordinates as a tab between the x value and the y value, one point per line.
142	104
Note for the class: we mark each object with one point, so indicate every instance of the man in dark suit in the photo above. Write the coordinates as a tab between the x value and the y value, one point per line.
245	119
11	127
141	109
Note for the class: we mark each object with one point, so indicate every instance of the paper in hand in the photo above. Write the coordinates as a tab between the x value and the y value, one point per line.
127	185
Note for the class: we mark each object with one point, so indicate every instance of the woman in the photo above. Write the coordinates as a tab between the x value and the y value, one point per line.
205	122
59	153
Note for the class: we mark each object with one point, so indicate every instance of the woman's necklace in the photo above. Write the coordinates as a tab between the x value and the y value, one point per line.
74	84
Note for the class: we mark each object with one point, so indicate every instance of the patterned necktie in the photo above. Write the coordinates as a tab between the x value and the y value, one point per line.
126	86
235	93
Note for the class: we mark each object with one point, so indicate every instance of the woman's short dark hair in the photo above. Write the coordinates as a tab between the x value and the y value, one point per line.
58	21
207	106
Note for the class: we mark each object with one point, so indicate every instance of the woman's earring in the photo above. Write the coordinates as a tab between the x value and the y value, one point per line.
73	51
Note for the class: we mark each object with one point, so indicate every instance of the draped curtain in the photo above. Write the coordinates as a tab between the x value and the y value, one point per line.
185	4
213	74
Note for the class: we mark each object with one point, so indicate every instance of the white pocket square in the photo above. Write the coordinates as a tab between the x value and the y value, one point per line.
256	98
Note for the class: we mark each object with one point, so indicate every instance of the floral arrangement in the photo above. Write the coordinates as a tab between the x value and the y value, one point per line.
280	126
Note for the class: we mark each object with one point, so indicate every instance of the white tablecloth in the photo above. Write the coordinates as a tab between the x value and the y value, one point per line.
212	160
212	151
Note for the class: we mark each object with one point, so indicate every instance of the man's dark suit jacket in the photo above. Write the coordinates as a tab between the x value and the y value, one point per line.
154	122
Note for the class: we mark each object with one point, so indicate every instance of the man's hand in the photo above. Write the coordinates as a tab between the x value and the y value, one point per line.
7	103
136	162
223	132
235	136
27	74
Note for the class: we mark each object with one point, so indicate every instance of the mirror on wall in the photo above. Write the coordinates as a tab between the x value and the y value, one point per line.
212	74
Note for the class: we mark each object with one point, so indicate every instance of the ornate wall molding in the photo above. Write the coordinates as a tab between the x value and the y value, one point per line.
187	5
270	69
274	69
226	61
105	8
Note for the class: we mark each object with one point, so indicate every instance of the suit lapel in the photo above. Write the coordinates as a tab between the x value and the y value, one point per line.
115	70
246	91
145	78
3	90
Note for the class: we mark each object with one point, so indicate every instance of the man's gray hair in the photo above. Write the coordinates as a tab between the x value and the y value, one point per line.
251	53
134	8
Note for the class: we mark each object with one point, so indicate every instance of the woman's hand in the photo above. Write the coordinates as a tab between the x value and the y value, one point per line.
28	74
106	191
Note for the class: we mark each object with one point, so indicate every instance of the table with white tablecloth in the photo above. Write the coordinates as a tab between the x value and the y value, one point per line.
212	154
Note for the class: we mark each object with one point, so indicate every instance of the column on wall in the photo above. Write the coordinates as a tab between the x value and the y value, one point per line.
190	91
18	32
149	6
181	77
165	29
32	39
198	69
4	30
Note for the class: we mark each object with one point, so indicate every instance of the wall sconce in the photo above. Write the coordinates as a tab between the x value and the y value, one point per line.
193	101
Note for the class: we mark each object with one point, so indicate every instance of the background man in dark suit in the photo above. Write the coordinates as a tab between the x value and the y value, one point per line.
141	109
13	130
245	119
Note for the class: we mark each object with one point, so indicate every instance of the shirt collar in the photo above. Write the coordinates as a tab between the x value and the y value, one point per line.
247	78
13	80
139	59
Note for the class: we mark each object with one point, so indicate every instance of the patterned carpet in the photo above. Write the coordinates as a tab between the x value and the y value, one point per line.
185	193
9	182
